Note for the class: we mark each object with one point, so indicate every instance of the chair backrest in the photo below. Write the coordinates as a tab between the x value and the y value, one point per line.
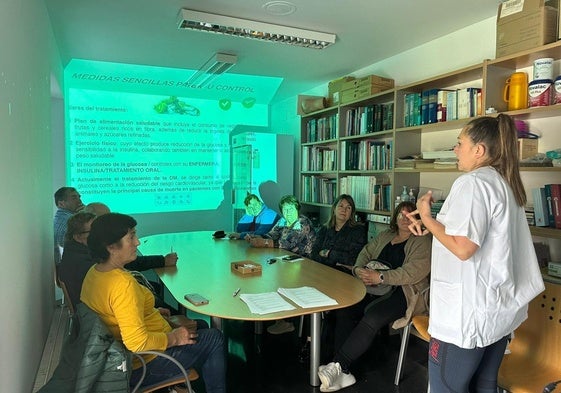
539	337
534	357
67	299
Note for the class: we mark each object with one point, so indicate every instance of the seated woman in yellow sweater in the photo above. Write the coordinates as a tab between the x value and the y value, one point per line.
127	308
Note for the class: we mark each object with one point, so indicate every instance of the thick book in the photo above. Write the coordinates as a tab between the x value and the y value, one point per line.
551	219
452	105
442	105
425	107
407	105
432	106
541	218
556	204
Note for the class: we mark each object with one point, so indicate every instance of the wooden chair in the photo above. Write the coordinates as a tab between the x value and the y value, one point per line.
535	351
68	303
67	300
418	326
184	377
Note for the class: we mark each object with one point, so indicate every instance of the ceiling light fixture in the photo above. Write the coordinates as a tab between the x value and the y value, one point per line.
218	64
212	23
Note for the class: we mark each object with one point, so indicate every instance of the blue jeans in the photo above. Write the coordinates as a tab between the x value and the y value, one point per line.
206	355
457	370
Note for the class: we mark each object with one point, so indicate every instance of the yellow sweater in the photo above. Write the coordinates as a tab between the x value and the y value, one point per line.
127	308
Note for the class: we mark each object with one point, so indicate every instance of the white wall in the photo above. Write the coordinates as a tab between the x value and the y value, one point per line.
26	285
463	48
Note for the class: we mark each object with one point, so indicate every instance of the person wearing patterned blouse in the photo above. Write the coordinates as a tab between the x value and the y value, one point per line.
293	232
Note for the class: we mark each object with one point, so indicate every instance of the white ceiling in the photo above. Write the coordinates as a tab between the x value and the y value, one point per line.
145	32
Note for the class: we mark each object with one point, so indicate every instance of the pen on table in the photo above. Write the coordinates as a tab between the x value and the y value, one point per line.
236	292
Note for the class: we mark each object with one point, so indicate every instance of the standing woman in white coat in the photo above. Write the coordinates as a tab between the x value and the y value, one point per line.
484	269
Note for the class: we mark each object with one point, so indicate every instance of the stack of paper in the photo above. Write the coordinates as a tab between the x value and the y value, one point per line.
439	154
445	163
307	297
265	303
269	302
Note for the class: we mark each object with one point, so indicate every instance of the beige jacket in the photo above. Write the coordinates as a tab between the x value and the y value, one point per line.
413	276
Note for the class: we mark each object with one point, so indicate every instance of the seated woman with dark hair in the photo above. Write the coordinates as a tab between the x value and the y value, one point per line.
340	240
127	308
76	260
338	244
405	282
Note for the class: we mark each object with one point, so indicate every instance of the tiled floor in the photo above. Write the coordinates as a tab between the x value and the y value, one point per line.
269	364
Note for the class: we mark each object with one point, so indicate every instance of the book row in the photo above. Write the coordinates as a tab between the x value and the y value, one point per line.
368	192
367	119
319	158
367	155
438	105
323	128
547	206
319	189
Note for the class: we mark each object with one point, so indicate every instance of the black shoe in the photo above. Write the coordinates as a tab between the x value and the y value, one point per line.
304	355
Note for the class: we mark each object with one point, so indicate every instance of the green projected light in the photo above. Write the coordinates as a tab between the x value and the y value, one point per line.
141	140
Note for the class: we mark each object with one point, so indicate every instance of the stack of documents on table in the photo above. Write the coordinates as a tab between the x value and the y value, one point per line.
307	297
265	303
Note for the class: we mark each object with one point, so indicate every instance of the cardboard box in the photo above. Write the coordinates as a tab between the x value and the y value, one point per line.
527	148
334	89
369	81
359	93
525	24
337	84
246	268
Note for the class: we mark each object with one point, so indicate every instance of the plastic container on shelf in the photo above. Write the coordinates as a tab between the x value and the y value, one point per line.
412	197
539	92
515	92
543	68
557	91
404	194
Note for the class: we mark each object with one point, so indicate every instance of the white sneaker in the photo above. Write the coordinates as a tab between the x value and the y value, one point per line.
280	327
333	378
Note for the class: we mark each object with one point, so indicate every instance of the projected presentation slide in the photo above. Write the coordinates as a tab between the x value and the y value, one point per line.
143	152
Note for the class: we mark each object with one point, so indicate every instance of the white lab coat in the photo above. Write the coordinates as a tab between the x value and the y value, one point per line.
476	302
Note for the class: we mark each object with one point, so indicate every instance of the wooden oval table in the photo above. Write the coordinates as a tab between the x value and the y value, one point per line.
204	268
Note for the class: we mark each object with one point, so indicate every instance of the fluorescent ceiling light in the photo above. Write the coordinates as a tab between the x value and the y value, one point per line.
212	23
218	64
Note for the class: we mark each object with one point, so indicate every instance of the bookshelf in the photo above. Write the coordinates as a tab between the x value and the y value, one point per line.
402	139
360	147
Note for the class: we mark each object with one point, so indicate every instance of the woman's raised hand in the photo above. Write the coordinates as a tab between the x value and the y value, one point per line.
423	210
